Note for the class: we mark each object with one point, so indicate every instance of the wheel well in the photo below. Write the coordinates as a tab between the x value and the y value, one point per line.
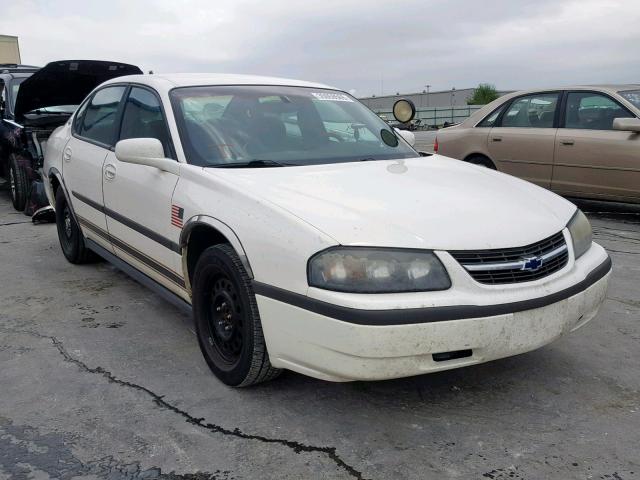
480	159
201	237
55	184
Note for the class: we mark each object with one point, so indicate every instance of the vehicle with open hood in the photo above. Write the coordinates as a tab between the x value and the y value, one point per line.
11	77
37	102
304	233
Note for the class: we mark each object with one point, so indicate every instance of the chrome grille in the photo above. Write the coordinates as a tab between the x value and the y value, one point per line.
515	265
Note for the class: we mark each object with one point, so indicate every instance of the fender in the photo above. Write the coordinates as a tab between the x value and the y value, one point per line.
220	226
54	172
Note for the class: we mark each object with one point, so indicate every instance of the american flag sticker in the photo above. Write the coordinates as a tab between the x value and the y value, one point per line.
177	213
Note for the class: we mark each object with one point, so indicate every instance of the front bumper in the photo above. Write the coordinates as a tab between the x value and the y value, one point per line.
311	342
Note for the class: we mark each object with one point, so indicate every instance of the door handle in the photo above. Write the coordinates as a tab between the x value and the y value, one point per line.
66	155
497	139
566	142
109	171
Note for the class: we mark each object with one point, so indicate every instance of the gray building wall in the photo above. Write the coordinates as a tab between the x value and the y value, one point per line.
433	108
439	99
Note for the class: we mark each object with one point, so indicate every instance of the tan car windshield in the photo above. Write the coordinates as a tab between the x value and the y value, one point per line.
632	96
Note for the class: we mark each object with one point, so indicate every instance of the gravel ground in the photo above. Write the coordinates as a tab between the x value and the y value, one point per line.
100	378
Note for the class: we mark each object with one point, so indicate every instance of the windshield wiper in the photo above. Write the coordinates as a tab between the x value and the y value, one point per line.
257	163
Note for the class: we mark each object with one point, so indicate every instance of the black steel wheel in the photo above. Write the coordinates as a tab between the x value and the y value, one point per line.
69	234
227	319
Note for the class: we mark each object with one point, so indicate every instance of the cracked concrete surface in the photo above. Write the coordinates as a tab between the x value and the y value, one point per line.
100	378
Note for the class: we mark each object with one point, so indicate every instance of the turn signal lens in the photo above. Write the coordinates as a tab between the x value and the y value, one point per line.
581	233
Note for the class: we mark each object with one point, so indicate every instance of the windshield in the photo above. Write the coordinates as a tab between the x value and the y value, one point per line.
632	96
227	125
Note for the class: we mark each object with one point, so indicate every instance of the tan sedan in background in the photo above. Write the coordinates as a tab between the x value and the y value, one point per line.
578	141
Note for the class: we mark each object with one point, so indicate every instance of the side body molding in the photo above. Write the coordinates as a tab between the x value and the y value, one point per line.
223	228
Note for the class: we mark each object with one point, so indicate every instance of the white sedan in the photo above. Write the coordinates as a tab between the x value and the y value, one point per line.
306	234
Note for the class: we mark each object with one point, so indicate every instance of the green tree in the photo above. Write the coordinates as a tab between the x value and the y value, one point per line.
483	94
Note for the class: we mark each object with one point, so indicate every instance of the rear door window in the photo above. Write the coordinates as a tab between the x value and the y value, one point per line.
532	111
593	111
99	122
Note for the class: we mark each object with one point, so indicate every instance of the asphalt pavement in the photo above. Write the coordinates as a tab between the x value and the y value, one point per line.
100	378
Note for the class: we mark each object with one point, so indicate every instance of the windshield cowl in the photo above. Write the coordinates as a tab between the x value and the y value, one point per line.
252	164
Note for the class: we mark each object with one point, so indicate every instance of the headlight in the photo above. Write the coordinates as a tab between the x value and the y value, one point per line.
377	270
580	230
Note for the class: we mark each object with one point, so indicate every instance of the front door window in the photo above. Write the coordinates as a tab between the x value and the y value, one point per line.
593	111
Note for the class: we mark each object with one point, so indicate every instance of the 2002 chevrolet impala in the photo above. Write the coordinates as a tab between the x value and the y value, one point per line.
306	234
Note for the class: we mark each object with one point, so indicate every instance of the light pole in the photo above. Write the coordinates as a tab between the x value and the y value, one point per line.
453	102
428	87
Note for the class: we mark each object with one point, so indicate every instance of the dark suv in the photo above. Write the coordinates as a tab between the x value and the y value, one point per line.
11	76
45	99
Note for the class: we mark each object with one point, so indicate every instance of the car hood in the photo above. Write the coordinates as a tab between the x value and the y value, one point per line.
427	202
66	82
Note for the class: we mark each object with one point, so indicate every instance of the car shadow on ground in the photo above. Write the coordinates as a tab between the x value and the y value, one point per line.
496	382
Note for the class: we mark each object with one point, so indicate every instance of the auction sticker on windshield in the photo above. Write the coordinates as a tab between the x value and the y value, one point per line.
331	97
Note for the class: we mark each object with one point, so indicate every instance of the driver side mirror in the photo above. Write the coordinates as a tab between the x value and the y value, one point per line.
146	151
627	124
408	136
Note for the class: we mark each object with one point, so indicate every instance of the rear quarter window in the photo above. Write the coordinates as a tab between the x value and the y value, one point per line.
490	120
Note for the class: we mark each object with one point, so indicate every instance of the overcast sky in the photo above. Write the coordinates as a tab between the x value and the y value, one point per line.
355	45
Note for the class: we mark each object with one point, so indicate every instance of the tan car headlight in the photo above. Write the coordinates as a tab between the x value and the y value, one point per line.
377	270
581	234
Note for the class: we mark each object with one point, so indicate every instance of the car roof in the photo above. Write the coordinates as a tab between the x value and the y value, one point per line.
13	69
19	74
167	81
611	88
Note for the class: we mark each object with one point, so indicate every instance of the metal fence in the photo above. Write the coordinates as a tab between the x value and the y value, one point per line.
437	116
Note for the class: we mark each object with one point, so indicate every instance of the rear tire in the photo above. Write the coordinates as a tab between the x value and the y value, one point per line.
18	183
69	234
481	161
227	319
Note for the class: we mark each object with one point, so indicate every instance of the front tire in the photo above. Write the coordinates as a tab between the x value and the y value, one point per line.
227	319
18	182
69	234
